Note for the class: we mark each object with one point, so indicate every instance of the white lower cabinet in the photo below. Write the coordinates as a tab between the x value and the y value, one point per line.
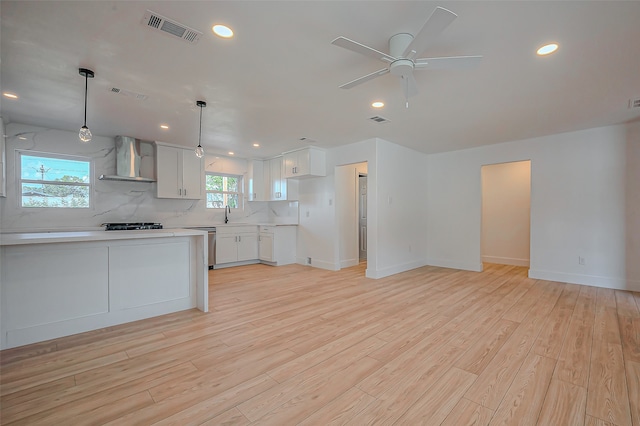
278	244
236	244
266	247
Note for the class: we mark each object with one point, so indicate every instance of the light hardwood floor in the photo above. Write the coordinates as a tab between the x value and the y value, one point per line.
296	345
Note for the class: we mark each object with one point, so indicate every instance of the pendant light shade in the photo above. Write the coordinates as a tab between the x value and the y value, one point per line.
199	150
85	133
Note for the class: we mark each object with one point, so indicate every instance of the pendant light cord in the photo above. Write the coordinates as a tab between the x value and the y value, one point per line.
200	134
86	86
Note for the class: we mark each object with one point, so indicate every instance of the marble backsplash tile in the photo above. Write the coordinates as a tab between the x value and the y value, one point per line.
115	201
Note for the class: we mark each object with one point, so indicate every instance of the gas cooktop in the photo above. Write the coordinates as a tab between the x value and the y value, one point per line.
130	226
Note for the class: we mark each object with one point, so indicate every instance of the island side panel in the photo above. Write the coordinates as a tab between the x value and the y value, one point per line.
56	289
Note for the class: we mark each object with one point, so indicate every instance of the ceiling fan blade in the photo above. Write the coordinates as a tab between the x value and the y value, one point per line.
448	62
409	85
437	22
354	46
367	77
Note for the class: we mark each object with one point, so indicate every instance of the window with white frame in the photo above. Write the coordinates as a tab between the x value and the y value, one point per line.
223	190
54	180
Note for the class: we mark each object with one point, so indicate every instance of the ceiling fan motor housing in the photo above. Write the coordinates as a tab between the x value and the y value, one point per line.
401	67
398	44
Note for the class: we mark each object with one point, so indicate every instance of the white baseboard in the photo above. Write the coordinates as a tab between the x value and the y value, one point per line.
392	270
592	280
316	263
349	263
505	260
455	264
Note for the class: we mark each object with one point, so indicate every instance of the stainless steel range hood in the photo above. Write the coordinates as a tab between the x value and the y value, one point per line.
127	161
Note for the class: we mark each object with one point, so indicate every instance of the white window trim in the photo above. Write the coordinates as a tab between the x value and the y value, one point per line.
18	172
240	190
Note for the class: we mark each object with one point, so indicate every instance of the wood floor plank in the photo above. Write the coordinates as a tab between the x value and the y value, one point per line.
494	381
232	417
633	382
301	345
468	413
341	410
573	361
549	342
311	396
594	421
406	388
607	395
97	394
436	404
523	401
279	395
630	336
626	304
478	356
565	404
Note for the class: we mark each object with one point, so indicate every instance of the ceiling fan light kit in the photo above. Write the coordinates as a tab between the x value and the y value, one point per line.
403	48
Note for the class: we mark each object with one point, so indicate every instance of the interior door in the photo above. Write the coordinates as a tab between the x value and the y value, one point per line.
362	215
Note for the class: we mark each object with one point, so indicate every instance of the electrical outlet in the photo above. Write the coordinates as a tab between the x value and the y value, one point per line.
581	260
307	213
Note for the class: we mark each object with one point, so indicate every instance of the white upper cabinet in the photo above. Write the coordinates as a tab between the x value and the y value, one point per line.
179	172
305	162
278	185
255	180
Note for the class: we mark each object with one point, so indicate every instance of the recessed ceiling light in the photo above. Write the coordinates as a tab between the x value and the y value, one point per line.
164	126
10	95
231	153
256	145
22	138
222	31
377	104
547	49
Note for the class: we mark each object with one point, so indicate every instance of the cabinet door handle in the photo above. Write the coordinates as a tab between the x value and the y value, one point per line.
185	191
179	191
239	238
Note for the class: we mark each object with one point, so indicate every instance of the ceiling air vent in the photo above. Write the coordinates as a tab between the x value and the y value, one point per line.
128	93
379	119
634	103
158	22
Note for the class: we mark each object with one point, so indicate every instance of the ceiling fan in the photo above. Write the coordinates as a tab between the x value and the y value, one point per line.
403	48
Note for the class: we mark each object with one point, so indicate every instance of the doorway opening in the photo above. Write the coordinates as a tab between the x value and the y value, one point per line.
351	215
506	213
362	217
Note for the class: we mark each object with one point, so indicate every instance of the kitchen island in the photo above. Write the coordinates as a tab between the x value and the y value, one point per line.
56	284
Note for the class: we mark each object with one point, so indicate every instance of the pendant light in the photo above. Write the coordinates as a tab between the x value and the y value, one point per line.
85	133
199	149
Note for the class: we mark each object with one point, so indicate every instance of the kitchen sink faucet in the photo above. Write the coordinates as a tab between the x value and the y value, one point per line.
226	217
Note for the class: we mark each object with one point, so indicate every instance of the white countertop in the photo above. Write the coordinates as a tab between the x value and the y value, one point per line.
80	236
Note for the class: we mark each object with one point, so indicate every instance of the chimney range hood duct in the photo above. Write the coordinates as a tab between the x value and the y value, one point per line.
127	161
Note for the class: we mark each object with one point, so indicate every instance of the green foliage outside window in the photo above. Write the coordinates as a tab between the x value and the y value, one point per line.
223	190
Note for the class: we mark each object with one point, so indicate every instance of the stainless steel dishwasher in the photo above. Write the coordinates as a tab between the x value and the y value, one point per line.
212	247
211	243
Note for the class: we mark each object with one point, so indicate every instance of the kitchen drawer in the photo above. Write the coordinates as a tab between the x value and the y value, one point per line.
267	229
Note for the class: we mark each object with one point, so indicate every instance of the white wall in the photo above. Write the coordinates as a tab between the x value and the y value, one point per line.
580	203
506	191
632	206
397	209
118	201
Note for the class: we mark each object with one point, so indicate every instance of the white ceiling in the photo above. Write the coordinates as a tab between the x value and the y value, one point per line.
277	80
